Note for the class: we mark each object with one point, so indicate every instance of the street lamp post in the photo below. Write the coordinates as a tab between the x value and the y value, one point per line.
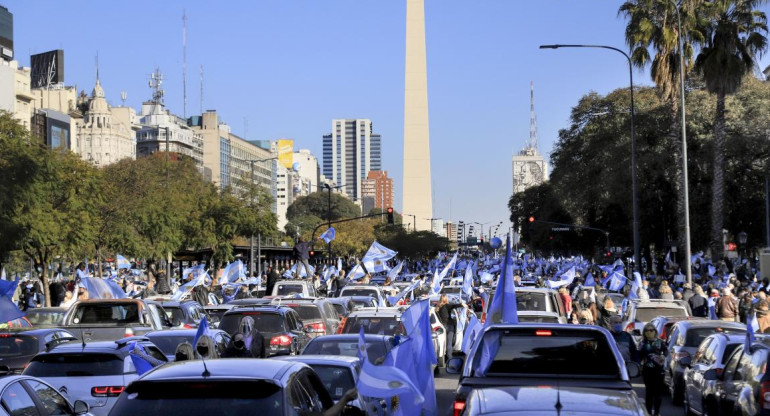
414	221
482	229
634	190
329	213
259	236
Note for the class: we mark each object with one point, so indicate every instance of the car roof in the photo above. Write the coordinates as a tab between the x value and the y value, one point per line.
294	281
48	309
119	347
357	286
574	400
352	337
224	369
262	308
122	300
221	306
374	312
177	332
338	360
709	323
538	313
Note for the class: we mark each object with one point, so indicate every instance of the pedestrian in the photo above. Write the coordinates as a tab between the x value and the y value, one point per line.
33	298
205	348
272	277
339	283
252	338
688	292
301	254
236	348
652	353
665	291
607	311
565	297
727	306
624	340
446	318
763	316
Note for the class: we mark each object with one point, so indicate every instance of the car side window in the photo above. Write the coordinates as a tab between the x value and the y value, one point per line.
672	336
732	363
701	354
155	353
741	371
17	402
311	384
758	364
53	402
298	398
155	316
297	321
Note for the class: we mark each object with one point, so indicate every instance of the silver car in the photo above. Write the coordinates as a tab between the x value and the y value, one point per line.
25	395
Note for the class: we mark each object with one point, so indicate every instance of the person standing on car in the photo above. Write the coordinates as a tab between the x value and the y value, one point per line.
301	256
652	352
444	311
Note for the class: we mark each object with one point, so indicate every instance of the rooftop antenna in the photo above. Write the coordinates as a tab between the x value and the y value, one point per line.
123	96
155	84
184	64
532	119
245	127
201	89
97	66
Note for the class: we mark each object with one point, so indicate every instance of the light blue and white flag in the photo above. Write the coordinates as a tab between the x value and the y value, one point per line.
199	278
394	272
328	235
435	284
503	307
102	288
376	257
468	281
123	263
565	279
356	272
233	272
329	272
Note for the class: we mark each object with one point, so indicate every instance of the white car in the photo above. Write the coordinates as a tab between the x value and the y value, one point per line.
439	337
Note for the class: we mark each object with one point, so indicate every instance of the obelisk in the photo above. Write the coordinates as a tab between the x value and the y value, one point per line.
417	203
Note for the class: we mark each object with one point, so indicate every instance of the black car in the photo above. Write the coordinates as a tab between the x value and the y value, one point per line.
281	327
168	340
45	317
18	348
183	314
377	346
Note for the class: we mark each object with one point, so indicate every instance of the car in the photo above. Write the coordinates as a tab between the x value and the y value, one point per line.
537	300
366	290
45	317
168	340
377	346
551	355
339	374
639	312
541	400
215	313
743	387
18	324
95	373
712	354
26	395
183	314
317	314
17	348
438	333
541	316
683	341
380	321
451	290
242	386
663	324
342	305
249	302
111	319
304	288
281	327
362	301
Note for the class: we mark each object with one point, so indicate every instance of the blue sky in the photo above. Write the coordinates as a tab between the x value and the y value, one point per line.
289	67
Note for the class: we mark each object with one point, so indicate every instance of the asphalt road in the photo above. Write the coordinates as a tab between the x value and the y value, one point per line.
446	384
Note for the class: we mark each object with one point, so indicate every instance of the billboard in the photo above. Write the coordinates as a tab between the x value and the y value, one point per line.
47	68
286	152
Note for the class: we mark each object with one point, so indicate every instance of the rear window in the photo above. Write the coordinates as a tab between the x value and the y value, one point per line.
106	313
168	344
341	310
695	336
359	292
75	365
378	326
541	319
337	380
554	352
290	289
647	314
174	313
203	398
37	318
362	303
318	346
18	346
264	322
307	312
728	352
528	301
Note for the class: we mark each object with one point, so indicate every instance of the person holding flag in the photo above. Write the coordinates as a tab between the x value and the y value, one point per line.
301	253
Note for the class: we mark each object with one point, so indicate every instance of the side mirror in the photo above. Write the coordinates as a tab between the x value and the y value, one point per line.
634	369
637	332
684	361
711	374
80	407
454	365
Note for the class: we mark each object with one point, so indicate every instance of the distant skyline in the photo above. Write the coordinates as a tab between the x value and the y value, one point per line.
286	68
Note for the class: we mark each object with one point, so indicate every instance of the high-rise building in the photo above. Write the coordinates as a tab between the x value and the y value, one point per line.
378	188
529	167
6	34
350	151
106	134
309	170
450	231
417	202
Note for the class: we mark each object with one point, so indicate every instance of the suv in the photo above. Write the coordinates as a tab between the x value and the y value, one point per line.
378	321
17	348
111	319
639	312
365	290
183	314
95	373
683	341
281	327
198	388
549	355
529	299
711	355
304	288
168	340
317	314
25	395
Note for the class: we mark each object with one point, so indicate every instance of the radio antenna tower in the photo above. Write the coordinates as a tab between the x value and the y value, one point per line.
123	96
201	89
156	83
184	64
532	119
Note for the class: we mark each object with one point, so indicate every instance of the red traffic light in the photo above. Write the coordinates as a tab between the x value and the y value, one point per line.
531	219
390	210
312	253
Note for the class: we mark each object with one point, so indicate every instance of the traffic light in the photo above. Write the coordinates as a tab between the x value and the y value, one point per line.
531	219
390	215
312	253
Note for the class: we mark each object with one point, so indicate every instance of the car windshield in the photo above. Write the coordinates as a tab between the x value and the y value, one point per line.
74	365
39	318
18	345
362	302
337	380
539	318
267	322
168	343
728	352
386	325
201	398
359	292
646	314
549	352
289	289
307	312
106	313
529	301
174	313
695	336
374	350
341	310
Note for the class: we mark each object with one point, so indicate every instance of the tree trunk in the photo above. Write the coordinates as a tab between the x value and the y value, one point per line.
675	140
718	183
44	276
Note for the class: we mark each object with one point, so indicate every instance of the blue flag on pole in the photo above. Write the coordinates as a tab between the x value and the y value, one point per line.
749	334
420	361
203	329
328	235
589	280
142	366
375	258
565	279
468	281
503	307
123	263
8	309
471	332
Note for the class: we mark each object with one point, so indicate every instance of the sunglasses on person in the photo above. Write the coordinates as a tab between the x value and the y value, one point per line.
649	330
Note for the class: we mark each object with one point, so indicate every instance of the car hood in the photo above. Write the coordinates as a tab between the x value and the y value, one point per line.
574	400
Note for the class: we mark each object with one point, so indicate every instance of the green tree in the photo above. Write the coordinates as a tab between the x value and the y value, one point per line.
735	35
317	205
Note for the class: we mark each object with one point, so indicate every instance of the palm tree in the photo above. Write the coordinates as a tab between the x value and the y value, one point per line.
652	34
734	37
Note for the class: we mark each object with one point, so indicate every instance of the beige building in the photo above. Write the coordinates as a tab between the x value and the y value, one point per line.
106	134
160	130
15	94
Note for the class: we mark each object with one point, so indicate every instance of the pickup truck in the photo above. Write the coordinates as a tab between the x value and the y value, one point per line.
112	319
